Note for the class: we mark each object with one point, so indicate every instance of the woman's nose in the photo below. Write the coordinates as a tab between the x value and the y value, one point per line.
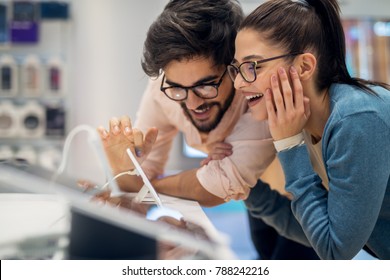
239	82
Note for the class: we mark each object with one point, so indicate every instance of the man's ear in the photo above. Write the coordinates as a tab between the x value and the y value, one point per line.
306	66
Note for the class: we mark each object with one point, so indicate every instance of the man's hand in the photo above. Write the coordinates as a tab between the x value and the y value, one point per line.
122	135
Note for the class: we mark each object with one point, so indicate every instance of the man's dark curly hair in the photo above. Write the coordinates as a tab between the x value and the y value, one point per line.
190	28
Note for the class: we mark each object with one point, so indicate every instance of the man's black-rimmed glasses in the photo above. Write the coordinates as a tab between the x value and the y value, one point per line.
205	91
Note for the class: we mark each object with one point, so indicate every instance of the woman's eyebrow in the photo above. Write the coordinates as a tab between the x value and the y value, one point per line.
253	57
249	57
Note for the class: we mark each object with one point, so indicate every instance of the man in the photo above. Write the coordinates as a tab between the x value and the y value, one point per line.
190	44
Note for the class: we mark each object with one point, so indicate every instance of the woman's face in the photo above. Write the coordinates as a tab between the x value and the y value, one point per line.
251	47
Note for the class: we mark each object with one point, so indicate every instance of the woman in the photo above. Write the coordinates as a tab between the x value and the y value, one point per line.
331	131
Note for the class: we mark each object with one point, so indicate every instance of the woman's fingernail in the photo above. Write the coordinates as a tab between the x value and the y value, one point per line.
273	78
138	152
281	70
116	128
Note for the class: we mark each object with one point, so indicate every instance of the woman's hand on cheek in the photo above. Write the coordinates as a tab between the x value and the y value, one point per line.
288	110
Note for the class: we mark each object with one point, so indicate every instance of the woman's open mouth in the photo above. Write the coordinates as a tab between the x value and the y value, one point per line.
254	99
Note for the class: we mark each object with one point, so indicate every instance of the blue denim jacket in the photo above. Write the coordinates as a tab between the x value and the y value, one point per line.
356	152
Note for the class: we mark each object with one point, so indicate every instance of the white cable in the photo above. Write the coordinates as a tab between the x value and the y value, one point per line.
68	141
134	172
94	139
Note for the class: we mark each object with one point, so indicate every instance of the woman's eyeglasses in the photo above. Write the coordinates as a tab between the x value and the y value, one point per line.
247	69
205	91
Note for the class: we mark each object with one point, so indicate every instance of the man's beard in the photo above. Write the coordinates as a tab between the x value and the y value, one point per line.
210	125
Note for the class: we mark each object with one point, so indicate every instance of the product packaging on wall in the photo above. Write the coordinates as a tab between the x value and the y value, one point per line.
49	157
27	153
6	152
3	24
33	96
9	120
31	76
55	76
32	120
9	74
24	25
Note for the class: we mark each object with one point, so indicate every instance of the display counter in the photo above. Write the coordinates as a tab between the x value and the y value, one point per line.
46	219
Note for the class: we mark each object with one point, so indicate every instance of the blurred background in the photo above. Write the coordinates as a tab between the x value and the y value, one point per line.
72	62
87	54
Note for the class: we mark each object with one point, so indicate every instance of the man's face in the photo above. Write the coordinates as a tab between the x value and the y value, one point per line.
205	114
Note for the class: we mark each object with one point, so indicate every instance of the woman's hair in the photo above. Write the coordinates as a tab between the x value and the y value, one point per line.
190	28
308	26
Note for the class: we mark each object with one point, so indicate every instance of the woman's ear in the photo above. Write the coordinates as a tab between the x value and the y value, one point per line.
306	65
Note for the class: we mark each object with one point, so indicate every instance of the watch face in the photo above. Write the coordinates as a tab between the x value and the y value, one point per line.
31	122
